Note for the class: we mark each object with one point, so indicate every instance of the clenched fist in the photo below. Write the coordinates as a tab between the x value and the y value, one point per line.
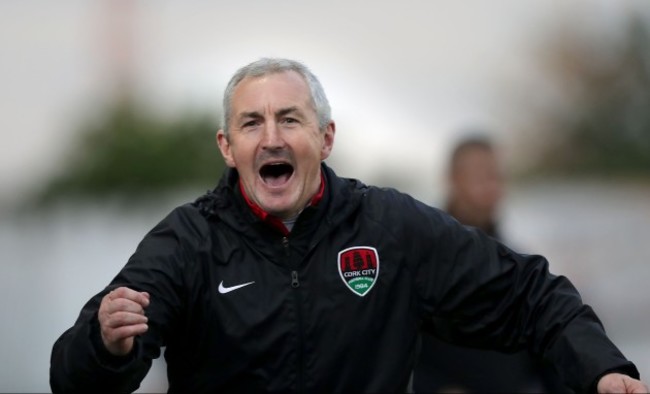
619	383
121	318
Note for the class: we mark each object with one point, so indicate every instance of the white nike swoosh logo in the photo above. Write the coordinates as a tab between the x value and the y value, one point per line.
224	290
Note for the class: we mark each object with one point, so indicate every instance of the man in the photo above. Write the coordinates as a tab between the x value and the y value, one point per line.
476	184
289	278
476	188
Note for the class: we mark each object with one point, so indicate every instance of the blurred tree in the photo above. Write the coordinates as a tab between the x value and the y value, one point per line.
604	126
130	152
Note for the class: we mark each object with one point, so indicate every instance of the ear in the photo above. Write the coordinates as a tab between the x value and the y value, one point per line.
328	140
224	147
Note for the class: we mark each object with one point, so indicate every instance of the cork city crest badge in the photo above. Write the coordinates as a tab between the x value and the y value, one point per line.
359	268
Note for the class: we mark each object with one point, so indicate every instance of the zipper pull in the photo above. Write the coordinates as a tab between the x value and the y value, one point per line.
294	279
285	244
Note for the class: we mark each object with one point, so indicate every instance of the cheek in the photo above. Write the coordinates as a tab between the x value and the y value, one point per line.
242	154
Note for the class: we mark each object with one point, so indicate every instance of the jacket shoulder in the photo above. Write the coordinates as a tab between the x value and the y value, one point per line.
184	225
189	218
395	202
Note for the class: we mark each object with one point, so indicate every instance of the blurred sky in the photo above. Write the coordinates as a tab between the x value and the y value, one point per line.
402	76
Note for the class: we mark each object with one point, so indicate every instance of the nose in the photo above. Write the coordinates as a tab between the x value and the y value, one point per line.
272	138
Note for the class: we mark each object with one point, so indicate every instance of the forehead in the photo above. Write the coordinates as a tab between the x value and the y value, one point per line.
272	90
474	152
475	159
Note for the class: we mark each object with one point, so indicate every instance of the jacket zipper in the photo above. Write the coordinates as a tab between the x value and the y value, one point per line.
295	284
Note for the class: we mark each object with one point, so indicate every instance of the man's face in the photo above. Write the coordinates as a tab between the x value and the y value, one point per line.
275	142
477	180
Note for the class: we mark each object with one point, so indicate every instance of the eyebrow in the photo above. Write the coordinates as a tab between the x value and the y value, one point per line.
278	113
251	114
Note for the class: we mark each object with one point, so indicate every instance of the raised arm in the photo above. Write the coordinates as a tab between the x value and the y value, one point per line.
477	292
121	329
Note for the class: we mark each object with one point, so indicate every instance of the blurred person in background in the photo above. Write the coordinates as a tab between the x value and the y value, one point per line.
287	277
476	185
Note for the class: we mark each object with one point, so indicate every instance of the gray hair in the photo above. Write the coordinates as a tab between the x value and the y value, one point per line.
266	66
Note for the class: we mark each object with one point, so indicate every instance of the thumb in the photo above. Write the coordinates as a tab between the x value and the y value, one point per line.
146	299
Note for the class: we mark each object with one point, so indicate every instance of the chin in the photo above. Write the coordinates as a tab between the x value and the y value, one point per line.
279	210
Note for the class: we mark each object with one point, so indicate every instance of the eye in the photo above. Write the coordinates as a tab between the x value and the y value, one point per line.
289	120
251	123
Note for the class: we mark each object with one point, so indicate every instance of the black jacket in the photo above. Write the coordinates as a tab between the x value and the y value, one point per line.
335	306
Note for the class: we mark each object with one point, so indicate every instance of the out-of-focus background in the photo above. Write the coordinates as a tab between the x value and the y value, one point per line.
109	110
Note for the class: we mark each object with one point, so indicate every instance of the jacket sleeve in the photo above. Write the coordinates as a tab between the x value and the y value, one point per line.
79	360
476	292
80	364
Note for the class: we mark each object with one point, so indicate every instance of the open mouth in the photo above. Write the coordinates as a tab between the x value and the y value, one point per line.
276	174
